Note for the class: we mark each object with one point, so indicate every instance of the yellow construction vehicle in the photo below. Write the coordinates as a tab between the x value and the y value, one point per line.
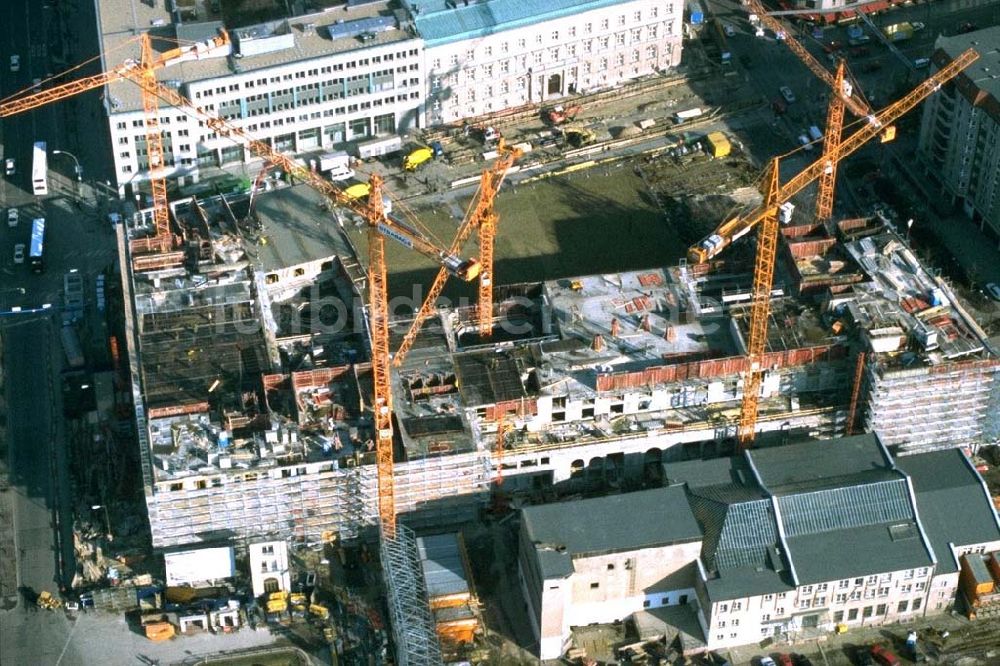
416	158
578	137
48	602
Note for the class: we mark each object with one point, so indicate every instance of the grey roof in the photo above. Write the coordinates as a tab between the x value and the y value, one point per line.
717	471
617	523
858	551
747	582
947	486
441	562
983	72
296	229
827	463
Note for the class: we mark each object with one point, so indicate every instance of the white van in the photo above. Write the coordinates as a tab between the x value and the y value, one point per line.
804	140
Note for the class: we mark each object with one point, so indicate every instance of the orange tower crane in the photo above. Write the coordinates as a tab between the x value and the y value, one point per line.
482	215
842	97
774	195
380	224
146	68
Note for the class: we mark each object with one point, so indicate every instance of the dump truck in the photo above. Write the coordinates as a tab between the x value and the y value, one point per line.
416	158
718	145
898	32
559	114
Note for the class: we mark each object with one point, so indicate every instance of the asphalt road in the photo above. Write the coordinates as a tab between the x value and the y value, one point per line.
76	238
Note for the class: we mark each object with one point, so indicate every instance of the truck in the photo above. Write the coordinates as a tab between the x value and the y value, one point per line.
412	161
898	32
379	147
337	165
71	347
696	15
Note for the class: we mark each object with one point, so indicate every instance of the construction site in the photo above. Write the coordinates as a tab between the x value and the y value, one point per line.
282	402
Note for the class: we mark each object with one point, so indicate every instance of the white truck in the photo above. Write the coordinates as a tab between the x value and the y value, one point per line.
336	165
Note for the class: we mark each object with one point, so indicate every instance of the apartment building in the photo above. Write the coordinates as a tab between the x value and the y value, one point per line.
773	542
488	55
302	84
960	129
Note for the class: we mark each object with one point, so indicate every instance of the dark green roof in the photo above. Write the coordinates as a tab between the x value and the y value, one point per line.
946	486
825	463
617	523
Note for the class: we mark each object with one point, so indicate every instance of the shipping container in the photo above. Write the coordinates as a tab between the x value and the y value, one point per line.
379	147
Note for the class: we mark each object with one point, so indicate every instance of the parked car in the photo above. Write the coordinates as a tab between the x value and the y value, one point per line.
784	660
19	253
921	63
15	63
766	661
863	657
12	217
787	93
884	656
993	291
917	26
729	30
8	166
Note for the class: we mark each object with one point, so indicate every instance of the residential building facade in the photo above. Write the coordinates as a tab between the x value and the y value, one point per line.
777	541
960	130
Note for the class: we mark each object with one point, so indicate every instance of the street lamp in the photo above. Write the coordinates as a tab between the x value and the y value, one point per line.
76	168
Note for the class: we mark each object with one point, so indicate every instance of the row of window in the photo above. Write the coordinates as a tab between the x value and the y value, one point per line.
302	74
555	53
571	32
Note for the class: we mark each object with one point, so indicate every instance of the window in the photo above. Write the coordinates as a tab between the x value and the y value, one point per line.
858	581
780	610
872	580
867	612
125	154
611	567
488	51
870	593
723	608
883	591
555	35
645	603
880	609
821	587
804	603
885	578
621	19
908	574
902	606
121	125
916	603
588	28
906	589
123	141
765	617
733	635
127	168
572	31
768	597
737	605
781	595
722	624
838	616
840	598
654	12
852	614
765	631
605	24
920	586
819	601
843	584
923	572
594	586
855	595
736	622
806	589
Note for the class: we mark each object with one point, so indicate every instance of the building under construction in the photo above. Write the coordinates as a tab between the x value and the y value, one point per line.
254	394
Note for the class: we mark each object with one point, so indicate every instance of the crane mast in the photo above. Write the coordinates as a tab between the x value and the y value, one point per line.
737	227
481	214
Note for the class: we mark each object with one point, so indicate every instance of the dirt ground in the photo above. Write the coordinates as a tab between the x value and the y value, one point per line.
603	219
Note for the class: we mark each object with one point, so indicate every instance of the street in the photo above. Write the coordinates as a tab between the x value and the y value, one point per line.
40	496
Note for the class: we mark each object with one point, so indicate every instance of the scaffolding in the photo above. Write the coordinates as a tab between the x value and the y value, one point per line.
413	629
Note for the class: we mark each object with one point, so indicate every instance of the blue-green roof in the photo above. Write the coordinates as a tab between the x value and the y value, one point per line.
445	21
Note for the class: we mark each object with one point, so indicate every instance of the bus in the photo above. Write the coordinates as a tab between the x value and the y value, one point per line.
36	254
40	169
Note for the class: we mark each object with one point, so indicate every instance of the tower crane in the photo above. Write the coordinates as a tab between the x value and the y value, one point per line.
842	97
482	215
766	216
146	68
380	225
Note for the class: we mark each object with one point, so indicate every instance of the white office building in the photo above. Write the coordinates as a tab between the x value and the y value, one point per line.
487	56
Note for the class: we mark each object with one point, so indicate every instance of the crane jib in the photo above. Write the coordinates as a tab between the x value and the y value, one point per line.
386	230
